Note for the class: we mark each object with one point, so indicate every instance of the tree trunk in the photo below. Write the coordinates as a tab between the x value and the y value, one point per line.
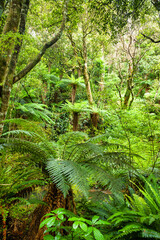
85	70
4	225
73	96
10	28
129	92
79	72
101	83
75	121
4	228
44	93
9	61
6	90
54	199
94	118
126	97
83	67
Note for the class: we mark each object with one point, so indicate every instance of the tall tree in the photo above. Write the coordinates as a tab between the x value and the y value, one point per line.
16	23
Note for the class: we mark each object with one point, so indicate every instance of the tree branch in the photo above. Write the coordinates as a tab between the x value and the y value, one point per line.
47	45
151	39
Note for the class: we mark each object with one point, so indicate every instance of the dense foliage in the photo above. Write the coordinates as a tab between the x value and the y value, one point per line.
79	119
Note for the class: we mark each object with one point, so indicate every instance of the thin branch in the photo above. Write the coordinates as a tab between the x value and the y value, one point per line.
27	92
151	39
47	45
75	49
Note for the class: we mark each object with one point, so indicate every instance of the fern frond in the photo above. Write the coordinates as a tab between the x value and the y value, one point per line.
129	229
139	204
65	173
28	125
23	146
38	111
151	234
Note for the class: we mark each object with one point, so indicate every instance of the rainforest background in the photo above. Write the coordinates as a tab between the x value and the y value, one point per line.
79	119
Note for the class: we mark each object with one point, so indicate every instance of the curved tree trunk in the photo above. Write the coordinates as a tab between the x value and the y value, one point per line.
9	71
54	199
9	57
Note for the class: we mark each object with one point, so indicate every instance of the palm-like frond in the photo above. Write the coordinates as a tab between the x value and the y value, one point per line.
76	107
52	78
68	163
66	173
79	82
37	111
31	127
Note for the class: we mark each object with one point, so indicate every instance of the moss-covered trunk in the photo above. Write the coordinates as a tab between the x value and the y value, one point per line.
85	69
9	70
8	37
129	93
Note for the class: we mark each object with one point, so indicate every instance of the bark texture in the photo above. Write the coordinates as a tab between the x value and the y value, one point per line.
53	199
10	28
6	90
82	66
75	121
85	70
47	45
9	61
129	92
74	90
94	118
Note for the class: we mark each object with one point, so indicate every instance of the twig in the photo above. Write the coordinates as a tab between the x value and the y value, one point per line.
151	39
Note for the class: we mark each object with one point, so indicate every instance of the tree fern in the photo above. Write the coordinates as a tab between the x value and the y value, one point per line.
72	81
67	163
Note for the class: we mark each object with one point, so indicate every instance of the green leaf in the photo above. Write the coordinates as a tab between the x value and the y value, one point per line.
97	234
48	237
51	229
83	226
102	222
94	219
61	217
57	237
75	225
77	219
48	221
73	219
49	214
60	211
89	230
151	220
